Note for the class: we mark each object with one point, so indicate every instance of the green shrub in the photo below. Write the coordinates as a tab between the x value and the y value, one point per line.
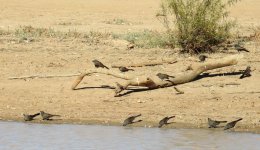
197	24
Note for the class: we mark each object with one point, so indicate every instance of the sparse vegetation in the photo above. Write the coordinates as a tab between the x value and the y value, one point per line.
67	23
256	35
3	32
118	21
143	39
197	24
29	32
147	39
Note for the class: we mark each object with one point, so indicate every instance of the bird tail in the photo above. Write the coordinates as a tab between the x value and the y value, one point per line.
171	117
35	115
137	115
239	119
246	50
131	69
172	76
106	67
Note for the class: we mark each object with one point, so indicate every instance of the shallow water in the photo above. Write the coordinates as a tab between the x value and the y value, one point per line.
69	137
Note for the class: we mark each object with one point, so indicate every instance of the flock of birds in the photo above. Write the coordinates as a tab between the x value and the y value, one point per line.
44	115
164	121
162	76
131	120
245	73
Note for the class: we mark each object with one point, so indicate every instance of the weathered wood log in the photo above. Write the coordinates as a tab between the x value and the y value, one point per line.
153	82
44	76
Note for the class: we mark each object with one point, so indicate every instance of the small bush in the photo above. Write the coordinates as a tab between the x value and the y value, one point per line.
197	24
29	31
256	35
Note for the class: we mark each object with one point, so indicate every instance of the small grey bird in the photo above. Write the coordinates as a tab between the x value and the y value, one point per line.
130	120
27	117
202	58
124	69
239	48
46	116
164	121
231	124
99	64
164	76
246	73
214	123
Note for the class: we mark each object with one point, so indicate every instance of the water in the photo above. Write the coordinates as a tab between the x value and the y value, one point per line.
27	136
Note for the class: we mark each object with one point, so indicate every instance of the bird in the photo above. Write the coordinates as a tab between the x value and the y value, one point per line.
214	123
164	76
246	73
202	58
164	121
130	120
27	117
239	48
99	64
46	116
124	69
231	124
130	46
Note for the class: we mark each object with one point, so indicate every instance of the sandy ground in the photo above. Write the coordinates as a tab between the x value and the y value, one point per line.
212	97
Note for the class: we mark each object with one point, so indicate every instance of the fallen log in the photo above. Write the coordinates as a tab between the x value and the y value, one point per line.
153	82
44	76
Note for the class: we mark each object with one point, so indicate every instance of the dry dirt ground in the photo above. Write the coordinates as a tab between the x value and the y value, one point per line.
216	97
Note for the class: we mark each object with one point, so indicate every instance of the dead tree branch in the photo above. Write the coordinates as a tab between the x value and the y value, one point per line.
153	82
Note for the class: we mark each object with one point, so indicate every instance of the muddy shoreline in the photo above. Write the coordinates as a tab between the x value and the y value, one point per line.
145	124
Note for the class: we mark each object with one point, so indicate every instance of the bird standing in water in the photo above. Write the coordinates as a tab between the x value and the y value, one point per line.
46	116
214	123
164	121
231	124
27	117
130	120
